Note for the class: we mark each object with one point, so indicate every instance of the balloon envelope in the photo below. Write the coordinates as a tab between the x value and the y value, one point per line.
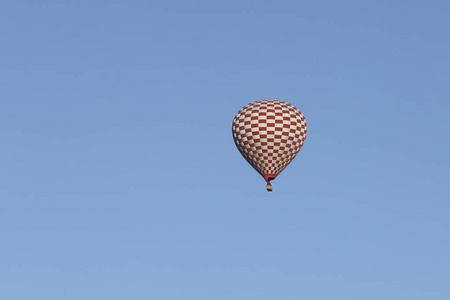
269	134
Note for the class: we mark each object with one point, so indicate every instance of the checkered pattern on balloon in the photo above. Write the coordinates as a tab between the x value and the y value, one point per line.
269	134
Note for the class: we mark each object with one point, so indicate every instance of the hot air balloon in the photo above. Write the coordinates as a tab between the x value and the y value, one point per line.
269	134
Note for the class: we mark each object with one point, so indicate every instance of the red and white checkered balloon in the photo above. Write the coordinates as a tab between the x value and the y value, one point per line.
269	134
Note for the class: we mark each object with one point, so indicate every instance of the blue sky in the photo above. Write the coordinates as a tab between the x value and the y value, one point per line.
120	179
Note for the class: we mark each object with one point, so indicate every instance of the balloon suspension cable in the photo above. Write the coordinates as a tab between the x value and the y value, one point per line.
269	186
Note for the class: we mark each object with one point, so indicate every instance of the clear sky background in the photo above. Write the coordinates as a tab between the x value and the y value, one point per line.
119	178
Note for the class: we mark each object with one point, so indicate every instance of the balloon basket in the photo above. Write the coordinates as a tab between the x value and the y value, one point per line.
269	187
